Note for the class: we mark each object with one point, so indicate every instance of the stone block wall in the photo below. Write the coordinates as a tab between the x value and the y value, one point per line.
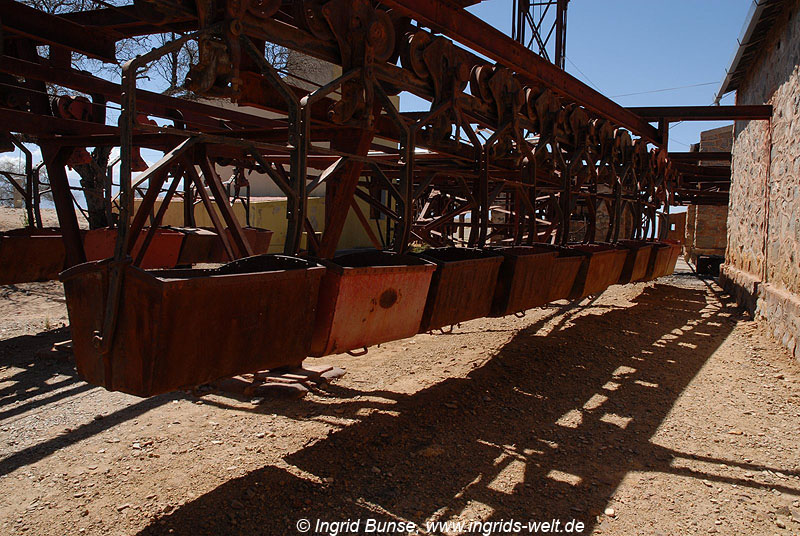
706	231
688	240
762	265
716	140
709	231
747	204
706	225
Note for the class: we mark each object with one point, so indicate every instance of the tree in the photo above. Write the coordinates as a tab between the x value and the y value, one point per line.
14	169
166	75
9	166
171	69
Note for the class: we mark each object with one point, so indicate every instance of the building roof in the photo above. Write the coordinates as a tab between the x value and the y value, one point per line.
466	3
760	20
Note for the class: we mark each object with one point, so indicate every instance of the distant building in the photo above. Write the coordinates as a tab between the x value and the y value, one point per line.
706	225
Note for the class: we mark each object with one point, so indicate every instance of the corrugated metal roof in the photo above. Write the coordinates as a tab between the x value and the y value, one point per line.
760	20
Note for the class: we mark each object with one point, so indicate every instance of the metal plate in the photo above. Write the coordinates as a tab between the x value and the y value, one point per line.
675	252
635	268
163	251
600	269
565	271
258	238
198	245
660	257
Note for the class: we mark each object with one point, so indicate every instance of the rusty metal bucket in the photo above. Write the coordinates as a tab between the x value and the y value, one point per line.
462	287
163	251
524	279
635	268
660	257
198	245
532	276
566	269
258	238
675	252
369	297
30	255
180	328
601	268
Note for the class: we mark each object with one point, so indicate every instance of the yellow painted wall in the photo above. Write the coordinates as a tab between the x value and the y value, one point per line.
272	215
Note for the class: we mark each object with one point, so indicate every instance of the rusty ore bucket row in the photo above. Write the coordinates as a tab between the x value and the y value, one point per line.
178	328
31	254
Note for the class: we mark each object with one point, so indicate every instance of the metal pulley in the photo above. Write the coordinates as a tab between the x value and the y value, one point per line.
380	35
262	9
479	81
411	54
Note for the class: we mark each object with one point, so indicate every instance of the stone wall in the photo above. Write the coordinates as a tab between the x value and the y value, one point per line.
689	239
747	205
762	266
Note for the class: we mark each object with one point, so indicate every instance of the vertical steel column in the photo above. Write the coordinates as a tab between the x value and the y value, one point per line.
561	33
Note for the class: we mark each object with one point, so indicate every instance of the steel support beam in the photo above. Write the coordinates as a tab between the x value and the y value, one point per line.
49	29
146	101
703	113
704	171
55	160
36	124
696	156
340	191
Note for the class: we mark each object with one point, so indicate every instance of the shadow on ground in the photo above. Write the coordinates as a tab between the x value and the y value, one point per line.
547	428
33	385
43	379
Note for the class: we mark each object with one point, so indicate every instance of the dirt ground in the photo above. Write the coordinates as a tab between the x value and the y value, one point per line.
654	409
13	218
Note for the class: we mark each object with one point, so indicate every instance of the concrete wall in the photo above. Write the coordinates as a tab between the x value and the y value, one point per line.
762	266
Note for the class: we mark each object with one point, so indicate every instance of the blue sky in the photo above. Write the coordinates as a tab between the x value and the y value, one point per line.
630	46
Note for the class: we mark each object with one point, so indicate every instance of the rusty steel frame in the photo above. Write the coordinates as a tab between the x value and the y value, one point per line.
512	151
548	22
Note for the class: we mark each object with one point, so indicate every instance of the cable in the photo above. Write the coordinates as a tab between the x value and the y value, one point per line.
681	142
662	90
584	74
675	140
